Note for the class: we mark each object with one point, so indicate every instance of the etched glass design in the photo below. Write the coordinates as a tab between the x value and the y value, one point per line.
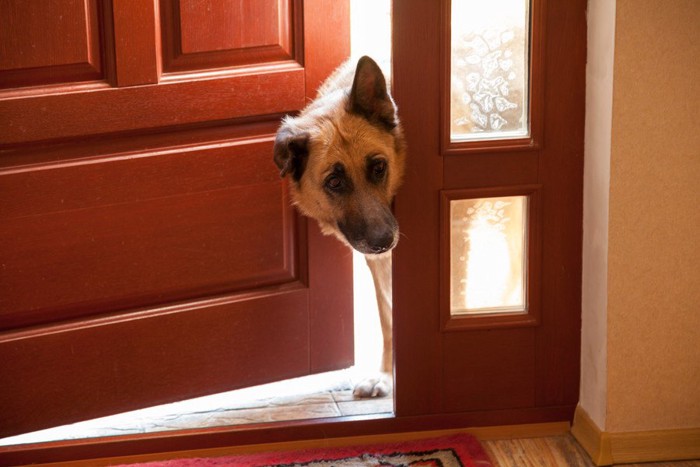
489	69
487	249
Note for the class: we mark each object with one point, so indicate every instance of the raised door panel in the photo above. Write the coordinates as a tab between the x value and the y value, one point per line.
205	34
50	41
48	115
71	370
126	232
211	25
476	383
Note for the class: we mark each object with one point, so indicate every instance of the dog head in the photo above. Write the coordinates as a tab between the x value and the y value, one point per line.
345	156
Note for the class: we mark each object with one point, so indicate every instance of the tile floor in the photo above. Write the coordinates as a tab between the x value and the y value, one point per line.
317	396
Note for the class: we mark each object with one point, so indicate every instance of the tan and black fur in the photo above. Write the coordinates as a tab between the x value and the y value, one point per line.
345	154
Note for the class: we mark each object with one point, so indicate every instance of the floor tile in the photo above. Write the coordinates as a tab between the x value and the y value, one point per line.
303	398
366	406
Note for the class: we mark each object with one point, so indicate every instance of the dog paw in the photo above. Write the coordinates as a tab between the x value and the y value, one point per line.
373	387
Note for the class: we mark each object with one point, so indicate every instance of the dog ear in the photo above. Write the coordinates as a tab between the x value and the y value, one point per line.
291	151
369	96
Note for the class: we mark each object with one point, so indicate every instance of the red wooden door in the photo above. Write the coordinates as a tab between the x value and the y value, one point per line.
517	364
148	251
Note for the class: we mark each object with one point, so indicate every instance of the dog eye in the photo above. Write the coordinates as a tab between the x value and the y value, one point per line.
334	182
378	169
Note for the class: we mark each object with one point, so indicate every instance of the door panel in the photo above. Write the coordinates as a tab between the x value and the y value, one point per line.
54	41
231	38
499	169
148	246
487	364
141	230
69	370
48	115
508	385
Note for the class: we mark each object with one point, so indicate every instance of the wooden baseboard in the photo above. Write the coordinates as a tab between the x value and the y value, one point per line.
594	441
607	448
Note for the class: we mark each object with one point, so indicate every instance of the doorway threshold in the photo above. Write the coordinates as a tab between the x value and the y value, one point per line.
325	395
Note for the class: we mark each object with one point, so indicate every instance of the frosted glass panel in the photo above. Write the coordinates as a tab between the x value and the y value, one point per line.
487	255
489	69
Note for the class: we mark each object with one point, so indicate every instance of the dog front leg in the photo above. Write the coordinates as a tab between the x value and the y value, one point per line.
380	267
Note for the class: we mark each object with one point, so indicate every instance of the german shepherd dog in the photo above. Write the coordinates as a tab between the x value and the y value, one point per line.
345	154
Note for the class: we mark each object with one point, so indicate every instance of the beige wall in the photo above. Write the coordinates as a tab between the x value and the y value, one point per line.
651	312
596	189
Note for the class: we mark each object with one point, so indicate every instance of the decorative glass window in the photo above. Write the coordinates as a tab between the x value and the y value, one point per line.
488	247
490	48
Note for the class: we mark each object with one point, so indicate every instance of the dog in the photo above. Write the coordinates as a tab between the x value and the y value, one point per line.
345	156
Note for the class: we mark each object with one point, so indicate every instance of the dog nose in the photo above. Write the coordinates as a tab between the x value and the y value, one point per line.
370	235
380	241
378	248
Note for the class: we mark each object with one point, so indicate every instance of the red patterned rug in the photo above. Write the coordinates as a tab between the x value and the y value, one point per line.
451	451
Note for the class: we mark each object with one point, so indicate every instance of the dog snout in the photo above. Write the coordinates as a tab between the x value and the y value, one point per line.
381	241
371	235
